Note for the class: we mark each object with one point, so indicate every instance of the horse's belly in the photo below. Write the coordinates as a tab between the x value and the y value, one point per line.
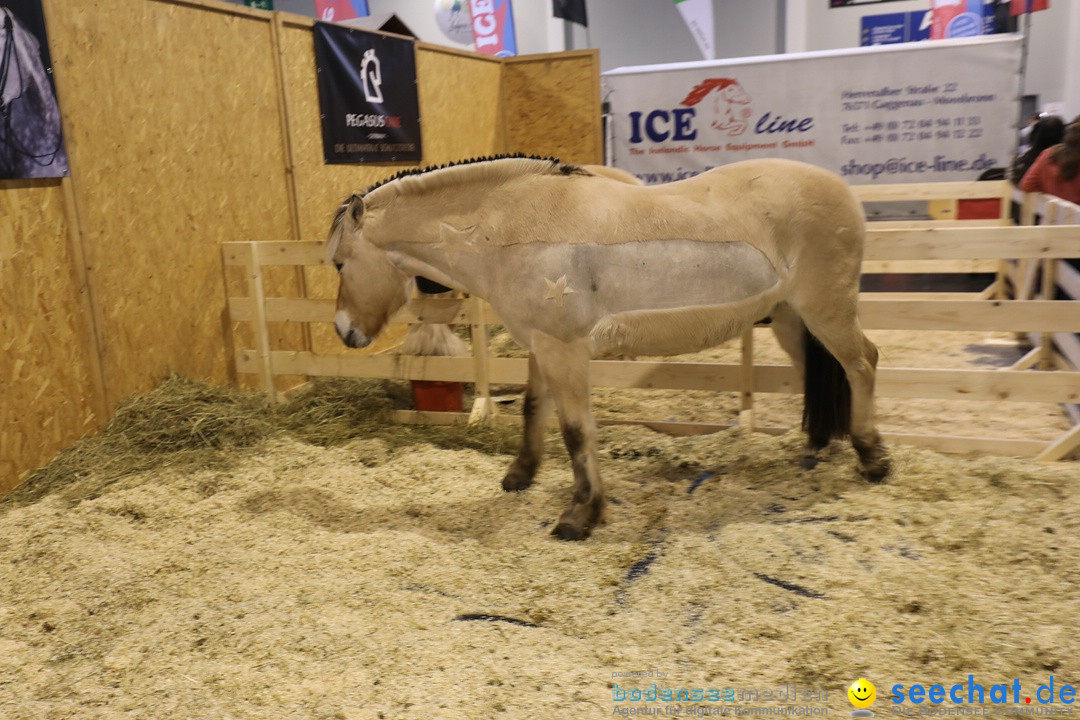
680	330
653	297
673	274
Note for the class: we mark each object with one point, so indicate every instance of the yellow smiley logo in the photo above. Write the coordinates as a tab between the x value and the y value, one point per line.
862	693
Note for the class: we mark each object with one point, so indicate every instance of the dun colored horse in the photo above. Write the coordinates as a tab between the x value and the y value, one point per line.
578	265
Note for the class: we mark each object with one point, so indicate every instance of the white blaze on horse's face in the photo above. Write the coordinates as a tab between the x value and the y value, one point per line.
370	289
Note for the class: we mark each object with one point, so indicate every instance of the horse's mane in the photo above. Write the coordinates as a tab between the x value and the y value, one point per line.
491	168
494	167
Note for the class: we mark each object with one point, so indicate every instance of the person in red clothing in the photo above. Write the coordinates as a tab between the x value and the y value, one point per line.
1047	132
1057	169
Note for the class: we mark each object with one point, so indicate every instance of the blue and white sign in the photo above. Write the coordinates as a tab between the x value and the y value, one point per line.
891	28
916	112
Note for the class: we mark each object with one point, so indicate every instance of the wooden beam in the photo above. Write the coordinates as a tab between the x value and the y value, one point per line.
990	315
872	224
273	252
901	192
1062	447
927	267
942	384
959	445
1041	241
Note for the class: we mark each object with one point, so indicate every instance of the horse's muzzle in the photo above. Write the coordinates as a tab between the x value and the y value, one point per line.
348	333
354	338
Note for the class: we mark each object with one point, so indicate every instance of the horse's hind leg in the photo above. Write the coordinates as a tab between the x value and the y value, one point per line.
565	367
842	337
865	438
537	409
790	332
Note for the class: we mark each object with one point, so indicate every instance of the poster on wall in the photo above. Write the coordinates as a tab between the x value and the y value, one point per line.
918	112
367	96
31	136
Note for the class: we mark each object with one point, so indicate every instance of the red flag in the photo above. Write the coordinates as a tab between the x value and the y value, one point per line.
1019	7
338	10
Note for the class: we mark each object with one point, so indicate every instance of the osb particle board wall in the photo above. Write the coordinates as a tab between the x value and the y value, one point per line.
178	150
461	117
552	105
47	386
184	131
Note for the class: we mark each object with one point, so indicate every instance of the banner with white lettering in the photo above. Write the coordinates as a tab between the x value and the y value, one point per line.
367	96
493	27
919	112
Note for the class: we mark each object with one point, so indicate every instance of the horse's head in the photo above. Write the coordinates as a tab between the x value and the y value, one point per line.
370	288
735	93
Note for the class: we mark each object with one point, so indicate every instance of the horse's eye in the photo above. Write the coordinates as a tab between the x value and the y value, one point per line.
339	265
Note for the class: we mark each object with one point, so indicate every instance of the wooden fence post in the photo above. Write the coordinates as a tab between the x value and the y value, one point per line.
483	408
257	292
746	382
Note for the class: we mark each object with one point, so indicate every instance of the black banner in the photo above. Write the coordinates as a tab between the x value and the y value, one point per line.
572	10
367	96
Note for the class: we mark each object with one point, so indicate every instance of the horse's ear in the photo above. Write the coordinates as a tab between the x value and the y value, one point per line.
355	208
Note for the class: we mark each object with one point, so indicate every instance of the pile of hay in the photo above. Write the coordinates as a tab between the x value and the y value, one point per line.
314	561
191	425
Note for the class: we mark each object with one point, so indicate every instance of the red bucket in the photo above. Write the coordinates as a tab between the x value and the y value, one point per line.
437	395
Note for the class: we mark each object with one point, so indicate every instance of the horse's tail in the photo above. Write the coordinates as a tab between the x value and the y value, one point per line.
827	394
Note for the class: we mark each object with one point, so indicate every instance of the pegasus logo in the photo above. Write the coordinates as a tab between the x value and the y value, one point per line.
371	75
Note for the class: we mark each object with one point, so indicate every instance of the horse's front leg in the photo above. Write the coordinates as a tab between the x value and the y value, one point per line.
565	368
537	409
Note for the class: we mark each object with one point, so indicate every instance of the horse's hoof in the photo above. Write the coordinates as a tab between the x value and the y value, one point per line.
566	531
516	483
878	472
808	462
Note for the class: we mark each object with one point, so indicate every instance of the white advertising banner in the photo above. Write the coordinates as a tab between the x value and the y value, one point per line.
918	112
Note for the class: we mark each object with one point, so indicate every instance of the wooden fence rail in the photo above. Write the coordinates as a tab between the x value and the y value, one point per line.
934	247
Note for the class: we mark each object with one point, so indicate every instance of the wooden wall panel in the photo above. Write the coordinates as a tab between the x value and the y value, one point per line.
175	144
320	188
459	107
189	123
47	396
460	104
552	106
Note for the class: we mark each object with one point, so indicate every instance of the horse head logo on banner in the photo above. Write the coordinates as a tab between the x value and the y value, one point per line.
372	77
731	103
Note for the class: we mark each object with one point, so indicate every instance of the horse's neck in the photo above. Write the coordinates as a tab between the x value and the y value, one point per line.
450	229
460	217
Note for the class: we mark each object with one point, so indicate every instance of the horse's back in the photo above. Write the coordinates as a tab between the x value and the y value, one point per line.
797	203
768	175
